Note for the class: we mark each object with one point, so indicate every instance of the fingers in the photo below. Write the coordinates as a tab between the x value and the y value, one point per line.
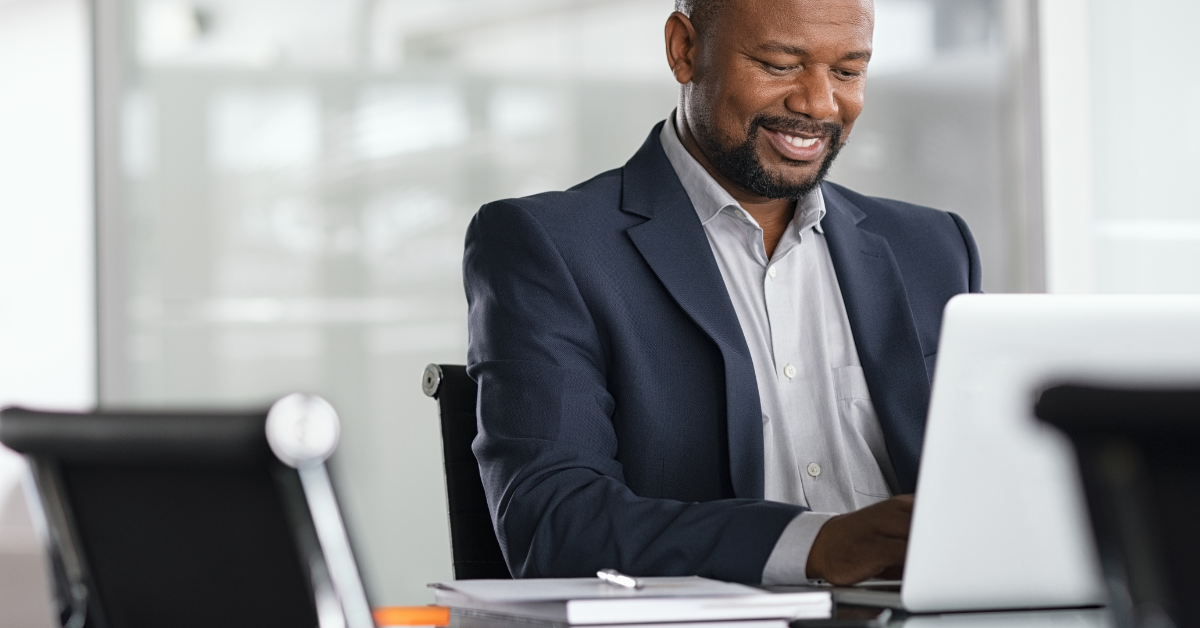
890	518
892	552
892	524
868	561
892	573
899	504
853	547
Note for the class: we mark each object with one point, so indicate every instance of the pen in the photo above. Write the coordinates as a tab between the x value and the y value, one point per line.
612	576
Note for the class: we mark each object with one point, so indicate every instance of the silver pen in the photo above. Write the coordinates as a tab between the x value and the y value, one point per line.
614	577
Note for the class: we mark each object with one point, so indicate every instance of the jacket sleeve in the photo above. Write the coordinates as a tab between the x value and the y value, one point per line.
974	271
547	449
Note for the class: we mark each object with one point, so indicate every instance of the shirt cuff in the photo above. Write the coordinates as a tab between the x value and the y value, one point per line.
788	562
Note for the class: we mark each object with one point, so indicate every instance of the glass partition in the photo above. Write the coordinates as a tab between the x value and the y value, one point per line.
951	122
284	187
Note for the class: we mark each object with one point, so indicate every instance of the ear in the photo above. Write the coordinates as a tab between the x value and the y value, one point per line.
681	47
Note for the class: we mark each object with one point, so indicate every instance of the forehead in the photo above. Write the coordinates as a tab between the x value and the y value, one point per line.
801	23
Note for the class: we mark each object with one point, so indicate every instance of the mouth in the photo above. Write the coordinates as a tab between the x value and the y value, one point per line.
797	146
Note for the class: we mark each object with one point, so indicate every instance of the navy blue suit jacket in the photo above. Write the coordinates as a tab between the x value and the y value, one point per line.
619	420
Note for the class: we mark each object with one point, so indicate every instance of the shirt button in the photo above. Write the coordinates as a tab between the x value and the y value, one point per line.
814	469
790	371
771	272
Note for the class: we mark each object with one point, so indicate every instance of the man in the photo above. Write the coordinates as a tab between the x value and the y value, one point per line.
710	361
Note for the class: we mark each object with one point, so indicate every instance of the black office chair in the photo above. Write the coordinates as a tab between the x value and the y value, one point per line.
1139	457
472	537
192	519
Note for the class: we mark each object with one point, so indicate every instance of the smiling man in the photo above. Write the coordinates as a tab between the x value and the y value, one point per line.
711	361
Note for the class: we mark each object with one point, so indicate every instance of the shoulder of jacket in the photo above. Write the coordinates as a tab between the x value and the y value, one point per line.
891	209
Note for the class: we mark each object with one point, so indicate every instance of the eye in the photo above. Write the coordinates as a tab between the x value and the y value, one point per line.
847	75
778	69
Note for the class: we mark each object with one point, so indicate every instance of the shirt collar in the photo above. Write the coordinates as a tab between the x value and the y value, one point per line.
710	199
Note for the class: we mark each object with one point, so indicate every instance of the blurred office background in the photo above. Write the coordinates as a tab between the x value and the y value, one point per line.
216	202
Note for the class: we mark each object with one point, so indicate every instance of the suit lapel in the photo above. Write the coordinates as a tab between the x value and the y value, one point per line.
884	332
673	243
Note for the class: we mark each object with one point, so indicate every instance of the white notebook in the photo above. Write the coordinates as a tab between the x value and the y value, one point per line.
588	601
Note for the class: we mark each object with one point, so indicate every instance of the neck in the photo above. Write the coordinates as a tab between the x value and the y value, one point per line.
773	215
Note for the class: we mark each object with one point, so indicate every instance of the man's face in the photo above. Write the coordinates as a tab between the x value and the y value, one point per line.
776	88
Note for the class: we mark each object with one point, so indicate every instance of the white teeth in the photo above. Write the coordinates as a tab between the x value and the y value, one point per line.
800	142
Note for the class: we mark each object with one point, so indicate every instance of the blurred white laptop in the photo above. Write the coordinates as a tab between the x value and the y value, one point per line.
1000	520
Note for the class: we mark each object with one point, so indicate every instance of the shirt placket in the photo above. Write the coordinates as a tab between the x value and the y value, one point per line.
811	393
782	290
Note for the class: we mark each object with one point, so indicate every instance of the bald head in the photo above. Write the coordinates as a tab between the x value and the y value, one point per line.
702	12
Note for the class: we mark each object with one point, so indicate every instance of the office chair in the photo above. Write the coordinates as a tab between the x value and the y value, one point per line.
192	519
1137	456
472	537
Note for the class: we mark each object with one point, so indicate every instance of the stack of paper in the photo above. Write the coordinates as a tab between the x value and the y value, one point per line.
588	601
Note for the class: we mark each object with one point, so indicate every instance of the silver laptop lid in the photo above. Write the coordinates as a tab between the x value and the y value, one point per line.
1000	520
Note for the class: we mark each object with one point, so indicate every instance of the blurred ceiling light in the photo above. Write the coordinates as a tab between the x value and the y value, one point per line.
262	130
397	119
309	310
169	28
1153	230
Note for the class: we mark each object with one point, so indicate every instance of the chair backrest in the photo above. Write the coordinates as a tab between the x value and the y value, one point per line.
1137	456
192	519
472	536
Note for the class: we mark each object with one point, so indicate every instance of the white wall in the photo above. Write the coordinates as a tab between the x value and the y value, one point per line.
1121	145
46	253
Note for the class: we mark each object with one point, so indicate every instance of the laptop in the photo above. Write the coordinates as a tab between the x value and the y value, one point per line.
1000	519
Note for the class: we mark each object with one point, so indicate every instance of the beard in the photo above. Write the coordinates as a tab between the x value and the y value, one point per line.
740	162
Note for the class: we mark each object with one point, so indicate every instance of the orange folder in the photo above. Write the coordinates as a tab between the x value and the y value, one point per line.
411	616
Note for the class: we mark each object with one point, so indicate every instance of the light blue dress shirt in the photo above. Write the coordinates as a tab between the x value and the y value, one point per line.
822	444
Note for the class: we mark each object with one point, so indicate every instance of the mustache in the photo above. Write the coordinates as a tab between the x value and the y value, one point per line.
797	125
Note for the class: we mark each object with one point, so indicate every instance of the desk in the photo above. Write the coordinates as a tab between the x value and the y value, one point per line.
1073	618
1079	618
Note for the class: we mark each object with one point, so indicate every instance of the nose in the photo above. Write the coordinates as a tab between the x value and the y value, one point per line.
813	95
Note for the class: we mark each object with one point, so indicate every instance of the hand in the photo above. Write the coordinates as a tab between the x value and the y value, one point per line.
863	544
